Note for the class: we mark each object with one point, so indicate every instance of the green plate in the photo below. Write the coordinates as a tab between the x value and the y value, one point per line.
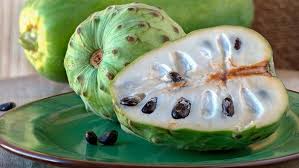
52	130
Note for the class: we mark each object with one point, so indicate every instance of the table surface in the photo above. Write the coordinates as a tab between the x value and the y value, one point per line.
26	89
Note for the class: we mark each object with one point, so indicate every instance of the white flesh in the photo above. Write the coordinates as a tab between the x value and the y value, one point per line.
259	100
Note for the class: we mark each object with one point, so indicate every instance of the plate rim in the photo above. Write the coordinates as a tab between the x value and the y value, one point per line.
66	162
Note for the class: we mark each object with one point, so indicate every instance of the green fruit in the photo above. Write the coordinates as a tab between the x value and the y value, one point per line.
45	29
213	89
197	14
109	40
46	25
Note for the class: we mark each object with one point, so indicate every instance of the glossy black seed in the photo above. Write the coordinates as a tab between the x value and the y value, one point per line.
150	106
175	77
181	109
7	106
108	138
237	44
91	137
228	107
132	100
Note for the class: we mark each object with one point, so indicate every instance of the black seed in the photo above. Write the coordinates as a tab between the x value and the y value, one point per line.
150	106
165	38
181	109
175	77
237	44
110	7
109	138
113	14
228	107
7	106
91	137
131	100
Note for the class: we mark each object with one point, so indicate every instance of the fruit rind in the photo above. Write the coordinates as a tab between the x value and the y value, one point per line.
202	140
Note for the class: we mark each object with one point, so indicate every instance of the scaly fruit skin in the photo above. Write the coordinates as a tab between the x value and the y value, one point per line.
109	40
46	25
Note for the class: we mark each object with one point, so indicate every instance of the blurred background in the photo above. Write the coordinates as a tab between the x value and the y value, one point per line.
277	20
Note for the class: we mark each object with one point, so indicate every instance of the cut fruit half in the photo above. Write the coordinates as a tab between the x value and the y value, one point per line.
214	89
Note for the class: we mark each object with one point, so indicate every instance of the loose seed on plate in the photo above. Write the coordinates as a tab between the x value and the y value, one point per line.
108	138
7	106
181	109
91	137
150	106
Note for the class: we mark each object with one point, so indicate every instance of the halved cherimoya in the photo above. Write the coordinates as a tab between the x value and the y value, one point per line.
214	89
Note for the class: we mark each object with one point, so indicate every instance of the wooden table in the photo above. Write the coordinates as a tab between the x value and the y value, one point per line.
25	89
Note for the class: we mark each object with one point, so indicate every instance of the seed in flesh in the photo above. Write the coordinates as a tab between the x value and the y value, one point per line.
132	100
228	107
150	106
108	138
7	106
91	137
175	77
237	44
181	109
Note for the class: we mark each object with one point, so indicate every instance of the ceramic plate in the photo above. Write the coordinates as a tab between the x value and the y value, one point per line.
52	130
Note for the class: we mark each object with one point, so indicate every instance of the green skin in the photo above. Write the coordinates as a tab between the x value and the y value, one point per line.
195	140
117	35
60	19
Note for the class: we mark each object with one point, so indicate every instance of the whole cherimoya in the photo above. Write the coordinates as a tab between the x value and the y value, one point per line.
109	40
214	89
47	25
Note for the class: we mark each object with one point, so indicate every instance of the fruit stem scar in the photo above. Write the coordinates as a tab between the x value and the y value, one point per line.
96	58
28	39
260	68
